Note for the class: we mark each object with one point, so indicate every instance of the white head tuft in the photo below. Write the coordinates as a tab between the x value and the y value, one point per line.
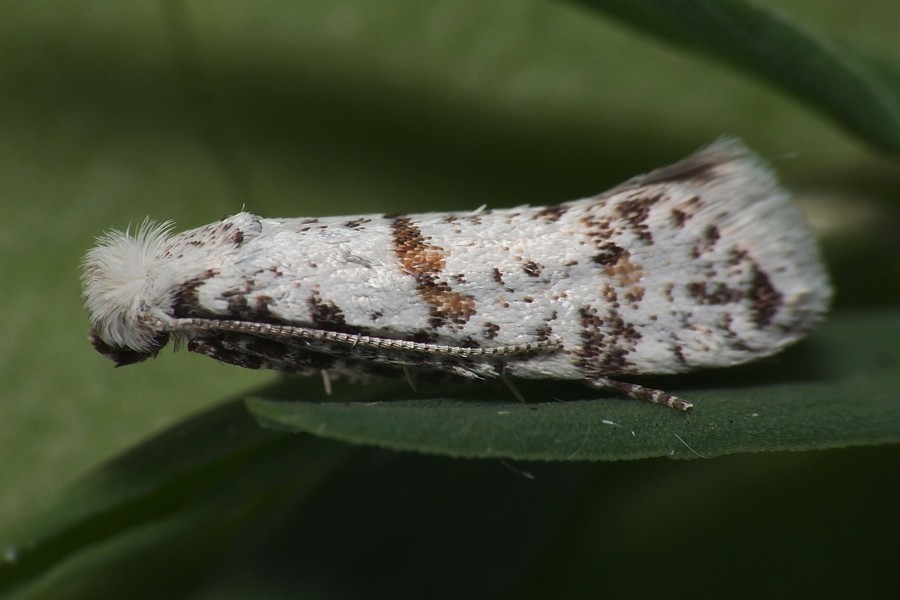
122	291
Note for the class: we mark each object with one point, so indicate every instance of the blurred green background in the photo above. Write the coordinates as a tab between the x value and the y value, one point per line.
192	110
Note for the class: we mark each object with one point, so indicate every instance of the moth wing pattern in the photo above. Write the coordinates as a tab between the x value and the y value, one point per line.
703	263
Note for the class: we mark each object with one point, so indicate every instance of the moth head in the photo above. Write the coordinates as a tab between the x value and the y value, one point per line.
123	291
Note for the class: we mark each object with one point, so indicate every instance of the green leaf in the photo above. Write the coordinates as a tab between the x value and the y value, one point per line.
828	78
140	514
835	390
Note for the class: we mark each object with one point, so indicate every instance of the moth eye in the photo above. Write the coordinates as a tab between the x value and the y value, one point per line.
123	355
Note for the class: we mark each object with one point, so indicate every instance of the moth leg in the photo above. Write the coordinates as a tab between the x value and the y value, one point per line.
410	378
326	381
508	382
639	392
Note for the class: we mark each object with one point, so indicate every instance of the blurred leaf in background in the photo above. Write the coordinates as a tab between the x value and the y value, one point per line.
189	111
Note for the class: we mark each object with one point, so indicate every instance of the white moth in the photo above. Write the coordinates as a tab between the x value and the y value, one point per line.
704	263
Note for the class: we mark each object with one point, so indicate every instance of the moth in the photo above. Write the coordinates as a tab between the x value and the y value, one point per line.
702	263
